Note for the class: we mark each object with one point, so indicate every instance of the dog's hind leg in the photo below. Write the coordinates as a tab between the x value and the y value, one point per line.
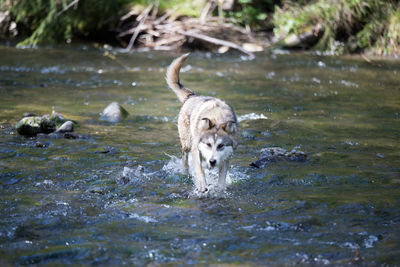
199	177
223	170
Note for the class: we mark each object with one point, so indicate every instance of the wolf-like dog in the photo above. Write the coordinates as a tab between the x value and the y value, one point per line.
207	129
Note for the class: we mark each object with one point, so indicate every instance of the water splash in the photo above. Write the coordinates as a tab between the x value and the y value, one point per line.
252	116
234	175
174	165
142	218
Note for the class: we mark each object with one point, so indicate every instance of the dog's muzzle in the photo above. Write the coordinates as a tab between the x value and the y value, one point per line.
213	162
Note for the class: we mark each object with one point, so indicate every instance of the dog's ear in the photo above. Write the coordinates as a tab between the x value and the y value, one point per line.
206	124
229	127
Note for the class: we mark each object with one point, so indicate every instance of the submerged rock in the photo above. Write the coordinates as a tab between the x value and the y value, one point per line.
70	136
114	112
273	154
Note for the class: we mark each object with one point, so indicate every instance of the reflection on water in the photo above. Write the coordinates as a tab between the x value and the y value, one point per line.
117	194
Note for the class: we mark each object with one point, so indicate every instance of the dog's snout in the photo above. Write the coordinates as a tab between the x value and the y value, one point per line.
213	162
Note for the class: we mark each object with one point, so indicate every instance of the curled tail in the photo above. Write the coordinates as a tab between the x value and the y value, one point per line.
172	78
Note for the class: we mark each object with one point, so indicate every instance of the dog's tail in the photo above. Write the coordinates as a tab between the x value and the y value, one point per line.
172	78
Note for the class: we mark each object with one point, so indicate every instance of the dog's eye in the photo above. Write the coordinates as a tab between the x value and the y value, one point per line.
220	146
208	144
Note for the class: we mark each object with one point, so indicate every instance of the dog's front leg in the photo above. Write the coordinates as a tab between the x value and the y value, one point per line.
223	170
185	158
199	177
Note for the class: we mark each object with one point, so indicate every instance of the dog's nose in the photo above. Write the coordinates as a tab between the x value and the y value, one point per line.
213	162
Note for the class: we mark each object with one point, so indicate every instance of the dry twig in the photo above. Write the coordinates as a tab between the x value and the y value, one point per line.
164	33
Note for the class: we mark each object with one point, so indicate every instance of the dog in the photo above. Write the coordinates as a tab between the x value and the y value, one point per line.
207	129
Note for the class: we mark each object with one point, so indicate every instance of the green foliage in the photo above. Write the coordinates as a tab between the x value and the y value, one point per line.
347	24
181	7
382	33
50	21
251	13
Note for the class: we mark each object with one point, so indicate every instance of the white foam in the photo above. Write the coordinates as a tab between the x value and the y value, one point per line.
175	166
145	219
369	242
348	84
252	116
135	174
350	245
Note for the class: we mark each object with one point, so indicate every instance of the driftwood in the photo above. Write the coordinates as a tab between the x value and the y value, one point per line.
216	41
142	18
167	32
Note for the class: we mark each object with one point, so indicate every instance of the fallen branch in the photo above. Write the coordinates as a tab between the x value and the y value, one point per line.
168	32
143	17
216	41
165	16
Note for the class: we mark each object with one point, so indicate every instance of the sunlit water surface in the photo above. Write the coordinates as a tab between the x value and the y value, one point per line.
61	202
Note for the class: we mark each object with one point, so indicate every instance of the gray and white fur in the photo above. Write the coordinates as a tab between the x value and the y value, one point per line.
207	129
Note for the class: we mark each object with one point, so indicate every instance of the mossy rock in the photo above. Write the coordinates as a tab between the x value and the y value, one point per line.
47	124
31	126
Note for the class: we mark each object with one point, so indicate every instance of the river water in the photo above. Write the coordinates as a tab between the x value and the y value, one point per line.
116	195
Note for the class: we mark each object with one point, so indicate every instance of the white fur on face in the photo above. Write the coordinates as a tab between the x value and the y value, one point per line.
214	148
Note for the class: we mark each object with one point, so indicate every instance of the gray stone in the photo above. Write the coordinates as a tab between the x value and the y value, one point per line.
273	154
304	40
67	126
114	112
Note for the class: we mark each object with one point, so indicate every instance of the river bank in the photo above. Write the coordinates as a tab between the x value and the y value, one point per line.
331	27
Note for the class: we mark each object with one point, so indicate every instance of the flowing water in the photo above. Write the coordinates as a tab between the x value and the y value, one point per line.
116	195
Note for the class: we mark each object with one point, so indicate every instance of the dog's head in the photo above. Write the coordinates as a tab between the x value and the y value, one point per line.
216	146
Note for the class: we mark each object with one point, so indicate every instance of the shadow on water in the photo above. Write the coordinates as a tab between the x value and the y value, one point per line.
116	195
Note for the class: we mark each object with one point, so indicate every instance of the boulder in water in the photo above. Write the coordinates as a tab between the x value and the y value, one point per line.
31	126
67	126
114	112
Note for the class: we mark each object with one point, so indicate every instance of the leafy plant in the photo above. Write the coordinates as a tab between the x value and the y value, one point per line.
251	13
50	21
345	23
